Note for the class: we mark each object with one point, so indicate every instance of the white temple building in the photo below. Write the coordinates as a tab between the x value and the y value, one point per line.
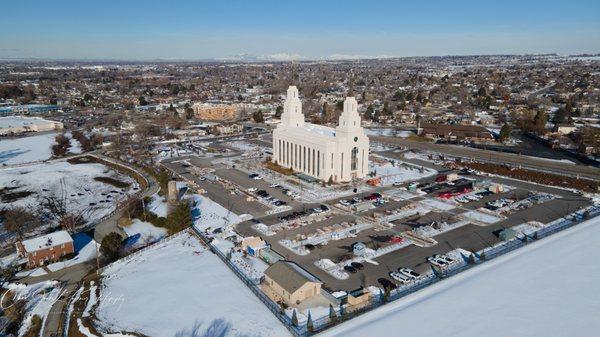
339	153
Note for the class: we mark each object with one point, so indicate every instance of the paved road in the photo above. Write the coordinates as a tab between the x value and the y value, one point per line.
109	224
70	277
538	164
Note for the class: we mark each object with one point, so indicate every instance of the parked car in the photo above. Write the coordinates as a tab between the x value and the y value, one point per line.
445	258
350	269
409	273
357	265
399	277
436	261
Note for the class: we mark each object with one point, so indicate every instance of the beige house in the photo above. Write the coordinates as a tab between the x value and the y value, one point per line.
287	282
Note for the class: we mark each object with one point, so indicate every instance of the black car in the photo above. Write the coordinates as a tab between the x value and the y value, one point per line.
324	208
350	269
357	265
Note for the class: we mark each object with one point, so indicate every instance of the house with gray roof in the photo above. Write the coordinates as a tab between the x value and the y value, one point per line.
288	283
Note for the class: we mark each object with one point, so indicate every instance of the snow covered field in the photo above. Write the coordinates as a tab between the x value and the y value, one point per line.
175	285
397	172
75	183
148	232
26	149
158	206
545	289
211	214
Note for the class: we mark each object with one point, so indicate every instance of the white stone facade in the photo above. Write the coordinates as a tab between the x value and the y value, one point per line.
339	153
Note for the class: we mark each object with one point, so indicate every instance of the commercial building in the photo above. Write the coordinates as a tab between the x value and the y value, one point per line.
45	249
287	282
216	112
454	132
16	125
340	154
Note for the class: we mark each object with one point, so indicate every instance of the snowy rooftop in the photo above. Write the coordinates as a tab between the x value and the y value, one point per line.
17	121
45	241
320	129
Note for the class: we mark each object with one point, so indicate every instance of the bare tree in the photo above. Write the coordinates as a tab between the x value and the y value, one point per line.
19	220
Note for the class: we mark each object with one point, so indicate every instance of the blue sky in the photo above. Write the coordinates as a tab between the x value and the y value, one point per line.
176	29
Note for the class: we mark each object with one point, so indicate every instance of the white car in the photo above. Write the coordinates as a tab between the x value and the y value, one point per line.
409	273
274	185
257	177
436	261
446	258
399	277
252	189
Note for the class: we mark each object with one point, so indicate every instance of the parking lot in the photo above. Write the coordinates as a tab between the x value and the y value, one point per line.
439	202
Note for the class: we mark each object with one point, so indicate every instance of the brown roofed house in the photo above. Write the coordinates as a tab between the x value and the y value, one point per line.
287	282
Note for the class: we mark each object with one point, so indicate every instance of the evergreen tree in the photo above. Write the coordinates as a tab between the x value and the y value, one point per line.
111	246
258	117
278	111
539	122
504	133
309	323
294	318
332	314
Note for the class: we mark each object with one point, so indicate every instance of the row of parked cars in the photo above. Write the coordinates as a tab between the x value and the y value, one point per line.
266	197
472	197
371	197
300	214
496	204
407	275
353	267
404	275
440	260
286	191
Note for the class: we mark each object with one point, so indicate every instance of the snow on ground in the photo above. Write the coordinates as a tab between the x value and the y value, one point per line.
388	132
26	149
87	253
75	144
545	289
208	213
174	285
148	232
39	298
394	171
158	206
481	217
73	182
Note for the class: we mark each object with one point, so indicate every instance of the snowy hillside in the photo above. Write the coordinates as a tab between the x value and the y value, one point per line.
548	288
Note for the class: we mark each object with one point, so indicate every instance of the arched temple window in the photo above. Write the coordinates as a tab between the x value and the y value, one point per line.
354	159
